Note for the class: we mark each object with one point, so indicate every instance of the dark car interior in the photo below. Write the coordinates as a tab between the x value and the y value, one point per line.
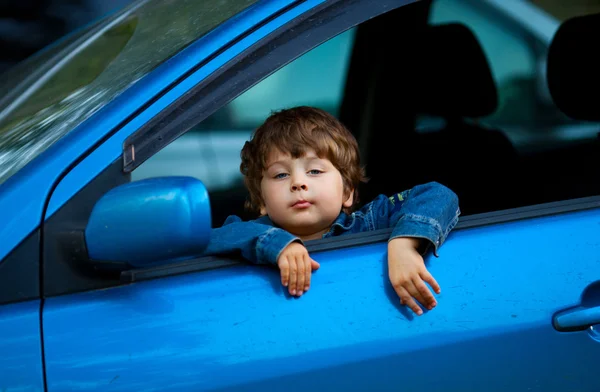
426	71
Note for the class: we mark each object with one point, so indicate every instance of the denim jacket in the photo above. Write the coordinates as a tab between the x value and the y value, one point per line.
427	211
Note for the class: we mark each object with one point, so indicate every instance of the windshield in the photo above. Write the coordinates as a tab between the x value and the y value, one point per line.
48	95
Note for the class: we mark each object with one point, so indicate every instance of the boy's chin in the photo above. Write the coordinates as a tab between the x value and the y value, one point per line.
304	227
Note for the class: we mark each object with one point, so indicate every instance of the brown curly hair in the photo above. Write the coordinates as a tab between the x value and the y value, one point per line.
294	131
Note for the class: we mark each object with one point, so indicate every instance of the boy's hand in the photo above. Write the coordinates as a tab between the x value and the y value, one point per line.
296	266
408	274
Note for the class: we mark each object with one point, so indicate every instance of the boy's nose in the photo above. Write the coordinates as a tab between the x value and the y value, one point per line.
299	186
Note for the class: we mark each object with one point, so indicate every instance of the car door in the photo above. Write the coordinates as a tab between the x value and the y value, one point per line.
218	324
21	363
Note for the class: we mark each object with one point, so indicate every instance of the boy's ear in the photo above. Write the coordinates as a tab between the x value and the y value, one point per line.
350	200
263	211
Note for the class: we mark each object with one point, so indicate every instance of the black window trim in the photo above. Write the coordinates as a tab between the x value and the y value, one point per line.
20	271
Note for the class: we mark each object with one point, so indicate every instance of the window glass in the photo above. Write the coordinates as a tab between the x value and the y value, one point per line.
528	144
510	56
564	10
544	156
516	48
317	79
211	151
85	76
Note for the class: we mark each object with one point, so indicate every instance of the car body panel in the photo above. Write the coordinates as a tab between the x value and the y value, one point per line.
236	329
21	348
30	187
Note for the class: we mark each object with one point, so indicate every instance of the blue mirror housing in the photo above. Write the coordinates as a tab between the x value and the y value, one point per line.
149	222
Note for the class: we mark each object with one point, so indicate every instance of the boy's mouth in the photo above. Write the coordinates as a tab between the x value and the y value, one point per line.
301	204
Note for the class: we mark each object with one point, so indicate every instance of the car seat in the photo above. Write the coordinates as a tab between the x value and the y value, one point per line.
574	83
573	68
441	73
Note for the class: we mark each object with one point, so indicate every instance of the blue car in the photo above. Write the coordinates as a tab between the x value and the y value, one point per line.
119	149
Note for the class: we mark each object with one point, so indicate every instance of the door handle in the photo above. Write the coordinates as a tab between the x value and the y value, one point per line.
576	319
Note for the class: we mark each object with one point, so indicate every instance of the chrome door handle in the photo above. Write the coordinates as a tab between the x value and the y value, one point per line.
576	319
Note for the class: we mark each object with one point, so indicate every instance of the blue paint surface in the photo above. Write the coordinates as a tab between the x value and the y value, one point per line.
236	329
150	221
21	348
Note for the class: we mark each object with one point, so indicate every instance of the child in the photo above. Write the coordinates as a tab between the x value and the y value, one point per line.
302	171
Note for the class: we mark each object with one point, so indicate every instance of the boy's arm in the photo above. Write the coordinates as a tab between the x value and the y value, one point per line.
262	243
429	211
421	216
257	242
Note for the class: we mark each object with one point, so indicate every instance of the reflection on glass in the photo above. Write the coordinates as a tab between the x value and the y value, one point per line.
115	55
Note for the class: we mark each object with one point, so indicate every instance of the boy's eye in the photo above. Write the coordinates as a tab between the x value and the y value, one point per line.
280	175
315	172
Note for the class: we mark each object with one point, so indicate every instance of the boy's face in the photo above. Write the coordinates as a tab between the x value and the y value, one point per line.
303	196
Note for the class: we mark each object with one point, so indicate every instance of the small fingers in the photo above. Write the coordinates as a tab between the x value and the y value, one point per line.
301	275
308	269
427	298
284	269
427	277
414	293
407	300
293	275
314	265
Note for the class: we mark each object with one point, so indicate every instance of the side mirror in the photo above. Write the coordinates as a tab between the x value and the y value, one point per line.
149	222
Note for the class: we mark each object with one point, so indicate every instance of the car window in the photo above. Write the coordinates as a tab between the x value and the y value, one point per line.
16	79
298	83
528	135
120	52
211	151
564	10
516	53
544	155
510	55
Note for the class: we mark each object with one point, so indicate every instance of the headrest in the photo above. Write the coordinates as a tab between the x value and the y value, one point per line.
453	74
574	68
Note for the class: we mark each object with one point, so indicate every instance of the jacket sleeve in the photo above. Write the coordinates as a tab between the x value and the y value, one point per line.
429	211
257	242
